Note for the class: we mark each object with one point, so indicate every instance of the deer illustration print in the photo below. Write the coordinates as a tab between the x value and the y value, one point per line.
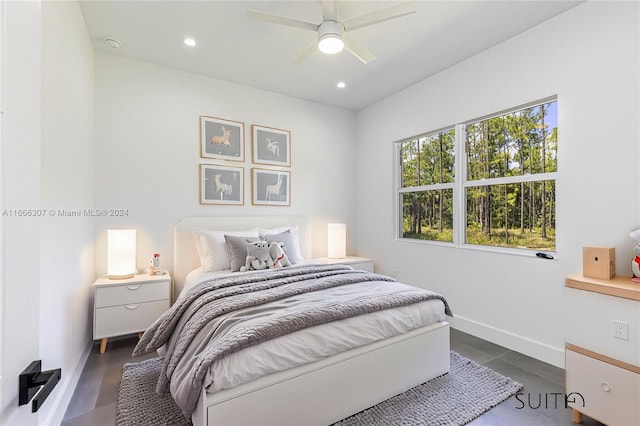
222	140
221	187
273	190
273	147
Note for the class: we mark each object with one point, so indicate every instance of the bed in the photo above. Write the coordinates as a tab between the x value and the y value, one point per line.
328	388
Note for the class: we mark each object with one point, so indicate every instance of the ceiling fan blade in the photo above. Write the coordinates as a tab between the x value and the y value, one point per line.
329	10
306	52
391	12
362	54
281	20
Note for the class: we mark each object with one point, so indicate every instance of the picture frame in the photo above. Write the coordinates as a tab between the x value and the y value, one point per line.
221	184
221	139
271	146
270	187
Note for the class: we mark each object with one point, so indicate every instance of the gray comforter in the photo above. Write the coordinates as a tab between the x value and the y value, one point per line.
215	309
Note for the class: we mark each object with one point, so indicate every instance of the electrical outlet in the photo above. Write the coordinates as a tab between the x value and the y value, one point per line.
621	330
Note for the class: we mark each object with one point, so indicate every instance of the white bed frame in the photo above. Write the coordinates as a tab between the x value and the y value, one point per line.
325	391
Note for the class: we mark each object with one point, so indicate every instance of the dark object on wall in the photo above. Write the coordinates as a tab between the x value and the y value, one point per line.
38	383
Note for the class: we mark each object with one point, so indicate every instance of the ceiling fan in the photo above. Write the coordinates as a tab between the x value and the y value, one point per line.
332	31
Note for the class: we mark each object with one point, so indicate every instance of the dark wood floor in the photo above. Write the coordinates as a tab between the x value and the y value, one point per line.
94	400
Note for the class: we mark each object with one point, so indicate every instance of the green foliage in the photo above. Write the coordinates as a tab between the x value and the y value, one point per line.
527	239
514	144
431	234
497	238
428	159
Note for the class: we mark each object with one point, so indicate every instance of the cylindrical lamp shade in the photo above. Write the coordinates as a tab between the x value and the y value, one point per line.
337	240
121	253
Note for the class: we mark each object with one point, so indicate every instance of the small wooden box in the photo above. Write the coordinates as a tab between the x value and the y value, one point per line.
599	262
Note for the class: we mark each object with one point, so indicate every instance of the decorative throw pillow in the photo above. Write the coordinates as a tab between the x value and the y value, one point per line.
291	247
212	247
237	247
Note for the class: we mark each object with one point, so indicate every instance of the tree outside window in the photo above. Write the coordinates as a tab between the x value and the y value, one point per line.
503	194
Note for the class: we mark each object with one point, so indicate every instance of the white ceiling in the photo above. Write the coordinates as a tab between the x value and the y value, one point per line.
234	48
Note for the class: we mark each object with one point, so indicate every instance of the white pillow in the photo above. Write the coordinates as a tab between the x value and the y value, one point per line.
297	256
212	248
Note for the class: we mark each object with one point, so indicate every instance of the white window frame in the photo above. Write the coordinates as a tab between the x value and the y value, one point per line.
460	185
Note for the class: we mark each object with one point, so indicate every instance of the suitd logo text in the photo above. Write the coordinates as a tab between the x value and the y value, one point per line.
553	400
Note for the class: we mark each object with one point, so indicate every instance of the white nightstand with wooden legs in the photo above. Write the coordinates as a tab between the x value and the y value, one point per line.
128	306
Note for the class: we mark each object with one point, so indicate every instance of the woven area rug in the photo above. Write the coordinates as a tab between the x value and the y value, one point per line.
456	398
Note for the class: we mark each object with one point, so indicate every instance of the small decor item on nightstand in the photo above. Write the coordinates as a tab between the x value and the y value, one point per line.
599	262
155	265
635	262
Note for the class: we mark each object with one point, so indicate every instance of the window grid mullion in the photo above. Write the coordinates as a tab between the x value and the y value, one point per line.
432	187
459	209
398	214
511	179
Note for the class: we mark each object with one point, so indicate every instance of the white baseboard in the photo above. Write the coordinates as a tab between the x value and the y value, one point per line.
67	387
538	350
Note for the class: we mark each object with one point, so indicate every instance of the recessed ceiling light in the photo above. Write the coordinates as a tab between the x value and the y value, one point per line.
341	85
112	43
189	42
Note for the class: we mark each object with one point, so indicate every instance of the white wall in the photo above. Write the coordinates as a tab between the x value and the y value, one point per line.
47	163
67	257
20	190
588	56
148	151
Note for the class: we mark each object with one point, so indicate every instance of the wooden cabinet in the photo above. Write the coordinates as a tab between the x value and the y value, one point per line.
355	262
609	389
128	306
602	369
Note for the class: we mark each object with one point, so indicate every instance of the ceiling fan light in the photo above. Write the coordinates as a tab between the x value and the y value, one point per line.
330	44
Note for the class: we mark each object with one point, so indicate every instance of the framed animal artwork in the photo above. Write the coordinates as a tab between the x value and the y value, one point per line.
221	139
221	184
270	187
271	146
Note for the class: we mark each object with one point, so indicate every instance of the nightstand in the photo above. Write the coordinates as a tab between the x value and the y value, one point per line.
128	306
601	366
361	263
